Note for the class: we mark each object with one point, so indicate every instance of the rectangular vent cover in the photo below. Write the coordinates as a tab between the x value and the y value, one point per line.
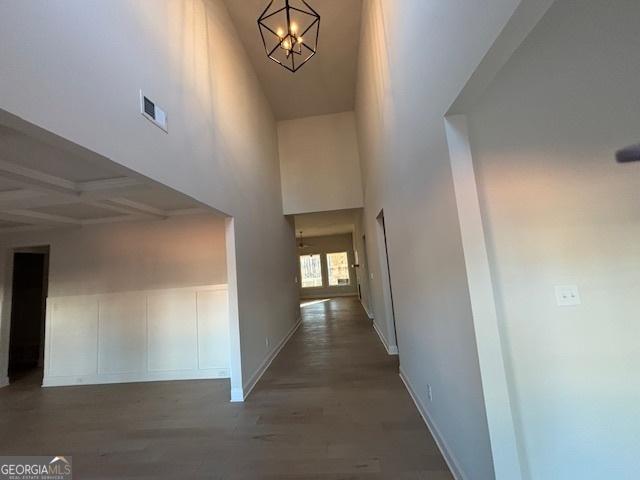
152	112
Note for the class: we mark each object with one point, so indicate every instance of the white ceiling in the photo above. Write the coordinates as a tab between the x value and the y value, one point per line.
322	224
326	83
47	186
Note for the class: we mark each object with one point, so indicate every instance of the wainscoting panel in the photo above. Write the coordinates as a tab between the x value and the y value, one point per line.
172	334
74	337
122	346
213	328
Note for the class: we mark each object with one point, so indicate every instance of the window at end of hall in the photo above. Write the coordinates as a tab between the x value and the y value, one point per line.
338	269
310	271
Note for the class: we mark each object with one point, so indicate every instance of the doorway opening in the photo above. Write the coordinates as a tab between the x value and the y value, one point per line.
386	283
29	290
326	255
366	276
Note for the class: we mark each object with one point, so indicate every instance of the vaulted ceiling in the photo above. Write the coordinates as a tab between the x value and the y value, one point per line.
325	84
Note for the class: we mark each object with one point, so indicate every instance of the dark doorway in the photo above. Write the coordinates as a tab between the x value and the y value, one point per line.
28	307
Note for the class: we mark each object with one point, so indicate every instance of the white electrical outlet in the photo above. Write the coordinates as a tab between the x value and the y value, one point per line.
567	295
267	342
429	392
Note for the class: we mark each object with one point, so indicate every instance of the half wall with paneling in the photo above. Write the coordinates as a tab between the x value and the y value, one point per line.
169	334
130	301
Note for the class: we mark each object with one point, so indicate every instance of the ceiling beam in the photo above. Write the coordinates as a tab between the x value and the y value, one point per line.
32	217
25	228
35	189
36	178
106	186
25	199
138	207
42	190
115	219
121	209
31	179
42	221
18	195
187	211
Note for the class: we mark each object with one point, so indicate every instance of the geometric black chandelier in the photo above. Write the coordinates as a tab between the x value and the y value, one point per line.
289	31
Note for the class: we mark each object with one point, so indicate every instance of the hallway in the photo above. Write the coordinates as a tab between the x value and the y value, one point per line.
335	389
331	406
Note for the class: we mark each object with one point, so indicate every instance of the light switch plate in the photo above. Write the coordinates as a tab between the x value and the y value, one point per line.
567	295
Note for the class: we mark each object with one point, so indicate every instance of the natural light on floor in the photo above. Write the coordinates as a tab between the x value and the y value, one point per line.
313	302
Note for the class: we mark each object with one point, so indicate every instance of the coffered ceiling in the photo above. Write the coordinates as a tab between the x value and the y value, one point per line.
325	84
45	186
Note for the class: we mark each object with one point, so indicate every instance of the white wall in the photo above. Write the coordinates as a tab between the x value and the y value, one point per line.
112	273
221	147
319	163
558	210
180	251
402	98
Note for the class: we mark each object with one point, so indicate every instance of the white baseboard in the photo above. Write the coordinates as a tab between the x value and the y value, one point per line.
248	386
69	380
366	310
453	465
4	381
391	349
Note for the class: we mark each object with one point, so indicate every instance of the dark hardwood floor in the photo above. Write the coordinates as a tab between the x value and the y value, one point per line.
330	407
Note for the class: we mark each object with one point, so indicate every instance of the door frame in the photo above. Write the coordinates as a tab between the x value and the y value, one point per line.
366	273
387	289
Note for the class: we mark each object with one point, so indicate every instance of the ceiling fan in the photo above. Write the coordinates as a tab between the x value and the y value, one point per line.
301	243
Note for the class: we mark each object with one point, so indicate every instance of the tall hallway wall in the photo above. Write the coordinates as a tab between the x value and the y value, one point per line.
75	68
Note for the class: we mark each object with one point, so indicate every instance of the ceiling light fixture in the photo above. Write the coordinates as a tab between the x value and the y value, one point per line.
289	31
301	243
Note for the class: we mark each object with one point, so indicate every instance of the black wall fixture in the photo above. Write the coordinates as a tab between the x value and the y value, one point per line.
629	154
289	31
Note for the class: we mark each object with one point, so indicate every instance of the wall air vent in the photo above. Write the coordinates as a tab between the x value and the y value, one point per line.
152	112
